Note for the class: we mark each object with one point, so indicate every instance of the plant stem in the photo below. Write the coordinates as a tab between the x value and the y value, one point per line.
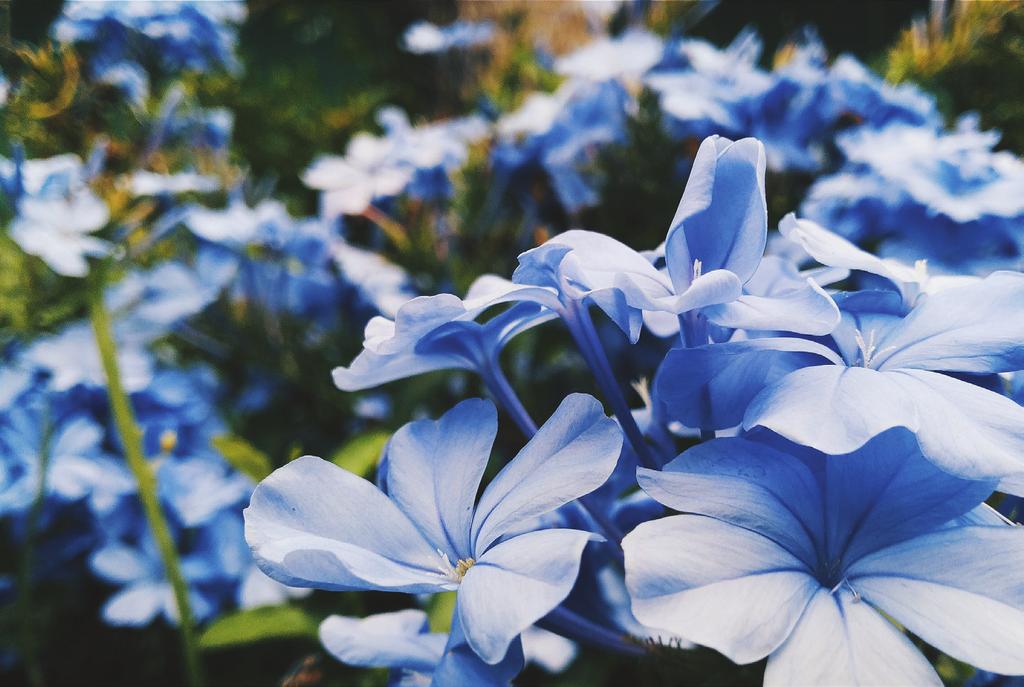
131	440
33	669
582	329
396	233
569	624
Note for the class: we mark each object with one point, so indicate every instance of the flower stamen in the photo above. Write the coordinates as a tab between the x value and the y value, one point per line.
458	571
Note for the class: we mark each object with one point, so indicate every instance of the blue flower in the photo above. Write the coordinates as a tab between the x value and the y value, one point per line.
437	333
313	524
145	594
787	553
912	283
182	35
416	160
628	55
58	231
924	193
882	369
402	641
423	38
70	358
795	109
714	246
559	134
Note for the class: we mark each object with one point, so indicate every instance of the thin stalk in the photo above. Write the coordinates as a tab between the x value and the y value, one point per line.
33	669
582	329
693	331
506	396
569	624
396	233
131	440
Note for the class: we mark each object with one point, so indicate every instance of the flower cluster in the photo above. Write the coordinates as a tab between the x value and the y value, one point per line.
802	476
854	476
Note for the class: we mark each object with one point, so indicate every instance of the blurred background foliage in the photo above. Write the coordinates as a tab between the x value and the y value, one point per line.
313	74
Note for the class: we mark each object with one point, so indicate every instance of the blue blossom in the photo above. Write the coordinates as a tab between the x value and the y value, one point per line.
402	641
786	553
55	211
313	524
913	283
153	302
883	367
58	230
70	358
436	333
795	110
714	246
628	55
35	429
182	35
287	265
211	565
560	134
924	193
424	38
409	159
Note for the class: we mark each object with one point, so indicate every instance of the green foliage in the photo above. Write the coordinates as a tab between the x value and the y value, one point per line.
315	73
439	611
361	454
641	179
245	457
967	60
258	624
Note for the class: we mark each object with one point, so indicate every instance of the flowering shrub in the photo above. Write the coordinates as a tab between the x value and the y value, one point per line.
598	461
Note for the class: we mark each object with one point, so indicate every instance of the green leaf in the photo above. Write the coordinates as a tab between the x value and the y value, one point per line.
258	624
245	457
361	454
439	611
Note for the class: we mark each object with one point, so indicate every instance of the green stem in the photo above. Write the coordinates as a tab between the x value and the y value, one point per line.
131	439
33	669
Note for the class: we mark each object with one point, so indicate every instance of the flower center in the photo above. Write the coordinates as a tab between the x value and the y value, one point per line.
458	571
698	269
830	574
868	348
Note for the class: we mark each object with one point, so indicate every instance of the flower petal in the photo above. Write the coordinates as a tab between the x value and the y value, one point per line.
399	640
460	665
958	589
974	328
807	310
572	454
967	430
515	584
880	512
832	408
313	524
136	605
715	584
747	484
838	642
434	472
722	218
711	386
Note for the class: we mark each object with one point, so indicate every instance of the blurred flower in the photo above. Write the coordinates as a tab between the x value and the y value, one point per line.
626	56
944	196
424	38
